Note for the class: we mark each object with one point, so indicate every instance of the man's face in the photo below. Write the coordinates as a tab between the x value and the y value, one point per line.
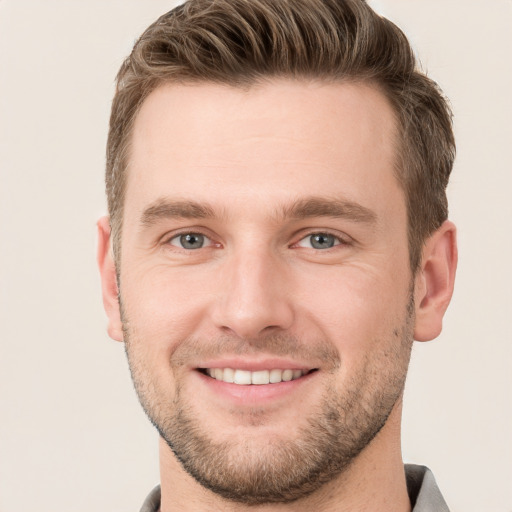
264	240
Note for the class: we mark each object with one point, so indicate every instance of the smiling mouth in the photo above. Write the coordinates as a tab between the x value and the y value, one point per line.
260	377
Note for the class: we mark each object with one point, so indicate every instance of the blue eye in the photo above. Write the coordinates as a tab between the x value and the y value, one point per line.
190	241
319	241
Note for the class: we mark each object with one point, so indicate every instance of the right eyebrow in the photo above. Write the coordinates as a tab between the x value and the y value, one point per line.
166	209
328	207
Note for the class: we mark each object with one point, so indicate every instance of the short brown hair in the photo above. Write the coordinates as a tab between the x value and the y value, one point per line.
241	42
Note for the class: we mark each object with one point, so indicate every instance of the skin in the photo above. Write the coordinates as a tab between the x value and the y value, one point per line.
248	158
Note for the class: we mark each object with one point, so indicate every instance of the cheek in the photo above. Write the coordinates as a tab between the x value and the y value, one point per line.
357	308
163	305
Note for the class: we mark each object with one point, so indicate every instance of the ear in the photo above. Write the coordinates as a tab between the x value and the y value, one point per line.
108	280
434	282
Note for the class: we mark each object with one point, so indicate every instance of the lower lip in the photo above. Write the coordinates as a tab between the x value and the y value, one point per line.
253	394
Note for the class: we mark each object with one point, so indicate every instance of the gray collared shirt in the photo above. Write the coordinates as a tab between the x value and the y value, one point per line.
421	485
424	494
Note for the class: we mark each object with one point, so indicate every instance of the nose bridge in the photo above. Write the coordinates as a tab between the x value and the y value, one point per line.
254	295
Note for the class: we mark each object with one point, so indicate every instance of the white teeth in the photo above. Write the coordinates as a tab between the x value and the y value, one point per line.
242	377
287	375
245	377
261	377
275	376
229	375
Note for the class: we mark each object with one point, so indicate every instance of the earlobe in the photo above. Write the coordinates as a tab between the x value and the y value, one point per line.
434	282
109	287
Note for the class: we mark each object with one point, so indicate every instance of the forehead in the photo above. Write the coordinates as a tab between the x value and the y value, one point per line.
272	142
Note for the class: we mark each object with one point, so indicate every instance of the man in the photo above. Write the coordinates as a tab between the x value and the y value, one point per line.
278	236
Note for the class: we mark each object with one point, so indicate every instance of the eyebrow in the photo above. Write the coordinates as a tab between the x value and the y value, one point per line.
168	209
327	207
301	209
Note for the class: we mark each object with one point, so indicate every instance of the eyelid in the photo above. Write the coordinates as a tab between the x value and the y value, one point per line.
169	237
207	241
341	238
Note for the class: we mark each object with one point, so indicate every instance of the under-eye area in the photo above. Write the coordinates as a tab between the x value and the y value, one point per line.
247	377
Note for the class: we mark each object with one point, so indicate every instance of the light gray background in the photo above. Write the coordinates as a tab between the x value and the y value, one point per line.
72	435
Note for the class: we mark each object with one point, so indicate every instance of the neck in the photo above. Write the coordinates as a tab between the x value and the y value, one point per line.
375	480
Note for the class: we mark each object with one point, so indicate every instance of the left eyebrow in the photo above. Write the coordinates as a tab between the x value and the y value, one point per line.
166	209
326	207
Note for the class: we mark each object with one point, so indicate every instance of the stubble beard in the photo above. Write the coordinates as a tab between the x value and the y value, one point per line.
281	470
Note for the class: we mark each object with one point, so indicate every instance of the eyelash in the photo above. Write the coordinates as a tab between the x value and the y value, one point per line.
339	241
176	236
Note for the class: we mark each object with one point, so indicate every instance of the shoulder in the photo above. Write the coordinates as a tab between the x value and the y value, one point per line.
423	491
152	502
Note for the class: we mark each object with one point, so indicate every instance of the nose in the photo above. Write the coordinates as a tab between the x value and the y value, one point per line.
254	296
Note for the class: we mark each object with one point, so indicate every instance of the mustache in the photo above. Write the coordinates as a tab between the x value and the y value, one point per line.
316	352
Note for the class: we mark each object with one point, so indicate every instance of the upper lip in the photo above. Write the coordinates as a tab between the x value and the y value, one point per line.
255	365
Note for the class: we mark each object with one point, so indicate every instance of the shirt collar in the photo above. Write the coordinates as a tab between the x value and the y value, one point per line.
423	492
